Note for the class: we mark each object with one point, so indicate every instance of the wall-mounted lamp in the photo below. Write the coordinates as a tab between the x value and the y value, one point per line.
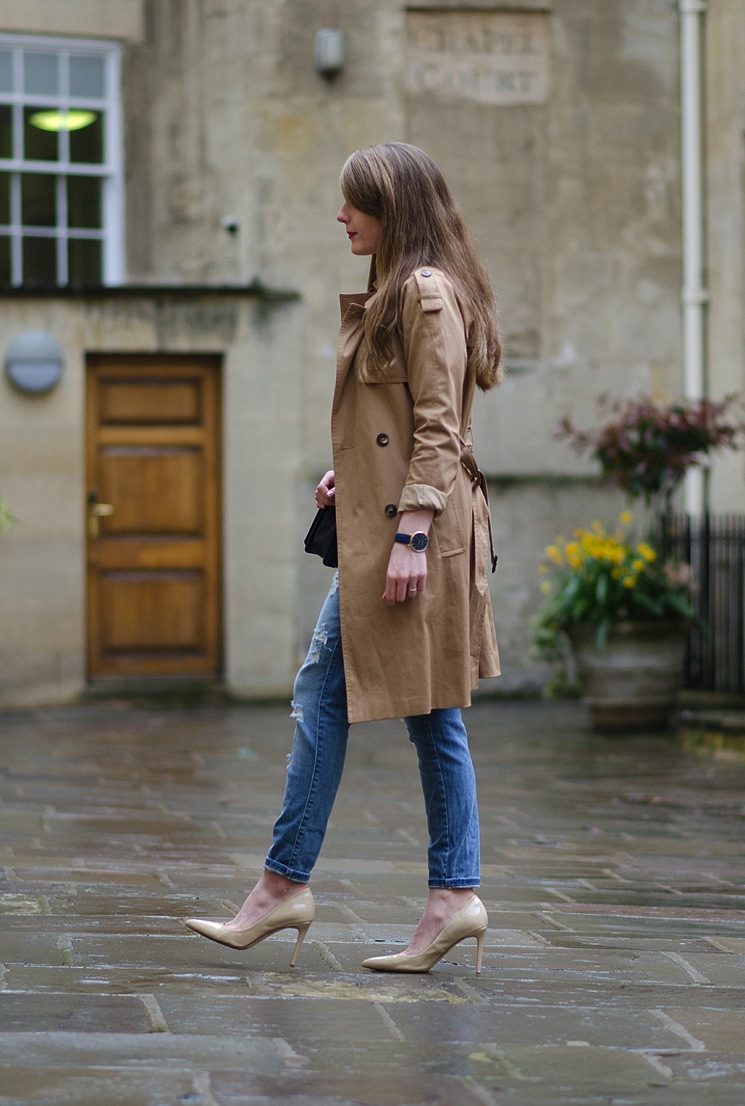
329	52
34	362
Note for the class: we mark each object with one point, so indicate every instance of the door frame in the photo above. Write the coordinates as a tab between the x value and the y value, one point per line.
161	362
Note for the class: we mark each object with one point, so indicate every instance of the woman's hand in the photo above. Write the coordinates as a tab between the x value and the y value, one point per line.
406	577
326	491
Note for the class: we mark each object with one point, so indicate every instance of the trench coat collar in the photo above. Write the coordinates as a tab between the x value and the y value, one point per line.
354	302
353	306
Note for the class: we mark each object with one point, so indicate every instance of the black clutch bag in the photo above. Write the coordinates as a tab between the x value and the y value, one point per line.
321	538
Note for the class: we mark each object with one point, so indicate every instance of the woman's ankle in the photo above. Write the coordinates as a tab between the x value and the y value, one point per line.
450	895
278	886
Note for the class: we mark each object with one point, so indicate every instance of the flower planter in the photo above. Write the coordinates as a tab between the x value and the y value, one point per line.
631	683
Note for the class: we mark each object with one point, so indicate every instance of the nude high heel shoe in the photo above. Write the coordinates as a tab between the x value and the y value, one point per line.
470	921
297	912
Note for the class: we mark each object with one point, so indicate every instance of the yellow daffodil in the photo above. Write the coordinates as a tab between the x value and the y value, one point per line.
601	577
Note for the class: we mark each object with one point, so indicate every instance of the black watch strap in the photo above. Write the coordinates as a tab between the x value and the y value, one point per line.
418	541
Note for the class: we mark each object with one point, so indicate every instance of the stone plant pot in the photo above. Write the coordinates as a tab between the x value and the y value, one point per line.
631	683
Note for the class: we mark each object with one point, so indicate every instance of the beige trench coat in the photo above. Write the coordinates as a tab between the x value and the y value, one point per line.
399	445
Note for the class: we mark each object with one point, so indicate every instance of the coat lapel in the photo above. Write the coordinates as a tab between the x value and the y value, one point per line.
350	335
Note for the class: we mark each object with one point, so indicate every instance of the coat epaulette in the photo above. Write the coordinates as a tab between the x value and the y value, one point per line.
428	290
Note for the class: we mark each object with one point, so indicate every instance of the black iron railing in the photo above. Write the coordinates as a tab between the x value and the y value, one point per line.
714	547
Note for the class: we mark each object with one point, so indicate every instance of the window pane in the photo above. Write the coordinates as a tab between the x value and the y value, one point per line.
86	144
39	262
4	260
84	202
6	71
6	130
87	77
84	261
41	73
38	144
38	200
4	199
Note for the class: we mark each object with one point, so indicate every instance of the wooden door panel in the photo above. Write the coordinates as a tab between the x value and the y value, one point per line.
153	493
146	611
149	401
157	490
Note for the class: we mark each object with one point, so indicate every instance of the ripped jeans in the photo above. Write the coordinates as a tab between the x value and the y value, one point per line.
317	761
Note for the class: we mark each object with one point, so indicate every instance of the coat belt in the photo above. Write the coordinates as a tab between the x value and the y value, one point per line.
478	480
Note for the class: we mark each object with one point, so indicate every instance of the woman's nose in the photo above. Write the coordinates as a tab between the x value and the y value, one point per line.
342	215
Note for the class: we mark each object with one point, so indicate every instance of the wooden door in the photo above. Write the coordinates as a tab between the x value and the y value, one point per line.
153	516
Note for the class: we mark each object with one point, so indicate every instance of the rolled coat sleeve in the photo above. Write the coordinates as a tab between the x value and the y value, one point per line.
434	341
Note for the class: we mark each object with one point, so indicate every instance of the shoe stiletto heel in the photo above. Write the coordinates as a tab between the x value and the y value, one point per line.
301	931
471	921
297	912
480	938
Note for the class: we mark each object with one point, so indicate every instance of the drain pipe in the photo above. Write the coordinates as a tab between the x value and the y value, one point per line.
695	295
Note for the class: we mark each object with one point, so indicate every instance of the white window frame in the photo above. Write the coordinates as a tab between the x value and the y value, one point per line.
110	171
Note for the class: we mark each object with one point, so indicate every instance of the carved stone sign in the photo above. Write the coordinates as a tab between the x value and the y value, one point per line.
486	57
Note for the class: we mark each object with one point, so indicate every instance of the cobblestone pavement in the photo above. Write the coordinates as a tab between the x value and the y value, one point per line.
614	971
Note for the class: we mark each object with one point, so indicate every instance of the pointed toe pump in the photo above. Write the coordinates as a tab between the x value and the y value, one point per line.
470	921
297	912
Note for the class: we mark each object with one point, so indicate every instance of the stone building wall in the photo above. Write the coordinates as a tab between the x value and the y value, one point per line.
557	125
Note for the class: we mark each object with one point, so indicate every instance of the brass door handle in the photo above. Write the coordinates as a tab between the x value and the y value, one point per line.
95	512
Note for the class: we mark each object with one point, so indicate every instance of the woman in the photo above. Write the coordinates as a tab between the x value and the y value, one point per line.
407	627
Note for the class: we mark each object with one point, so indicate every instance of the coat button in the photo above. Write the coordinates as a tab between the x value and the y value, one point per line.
426	272
382	439
391	510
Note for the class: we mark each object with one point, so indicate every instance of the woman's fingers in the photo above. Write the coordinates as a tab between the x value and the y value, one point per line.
406	577
400	594
326	490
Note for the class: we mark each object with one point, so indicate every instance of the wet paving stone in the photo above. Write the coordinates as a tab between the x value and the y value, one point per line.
62	1086
65	1013
614	876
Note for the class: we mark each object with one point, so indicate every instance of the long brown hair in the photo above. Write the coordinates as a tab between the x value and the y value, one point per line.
421	224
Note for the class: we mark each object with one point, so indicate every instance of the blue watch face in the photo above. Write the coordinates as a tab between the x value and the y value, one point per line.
419	542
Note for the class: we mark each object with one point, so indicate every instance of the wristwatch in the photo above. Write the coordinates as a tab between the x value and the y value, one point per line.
418	541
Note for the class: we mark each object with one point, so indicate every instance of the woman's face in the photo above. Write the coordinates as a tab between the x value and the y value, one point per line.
363	231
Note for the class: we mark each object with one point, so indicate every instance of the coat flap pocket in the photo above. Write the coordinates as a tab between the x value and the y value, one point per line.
392	373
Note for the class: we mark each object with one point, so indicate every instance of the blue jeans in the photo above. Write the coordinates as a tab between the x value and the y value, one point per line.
315	768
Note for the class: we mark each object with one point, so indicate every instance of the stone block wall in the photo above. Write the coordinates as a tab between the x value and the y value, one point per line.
557	125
